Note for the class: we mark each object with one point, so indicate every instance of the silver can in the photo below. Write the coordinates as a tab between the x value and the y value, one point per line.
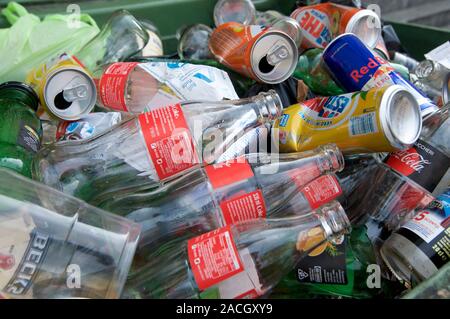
69	93
274	57
366	25
400	117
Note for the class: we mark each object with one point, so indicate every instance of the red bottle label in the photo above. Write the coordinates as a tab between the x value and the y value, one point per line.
322	190
243	206
168	140
113	83
213	257
422	163
228	172
305	174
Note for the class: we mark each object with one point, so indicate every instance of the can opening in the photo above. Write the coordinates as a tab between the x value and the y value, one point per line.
264	65
60	102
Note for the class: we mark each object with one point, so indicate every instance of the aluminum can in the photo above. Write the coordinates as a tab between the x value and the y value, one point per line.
357	68
263	54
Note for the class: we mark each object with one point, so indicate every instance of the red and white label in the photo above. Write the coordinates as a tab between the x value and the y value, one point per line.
245	207
168	140
113	83
322	190
213	257
305	174
229	172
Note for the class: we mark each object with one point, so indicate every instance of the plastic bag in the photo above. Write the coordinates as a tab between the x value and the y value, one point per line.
30	41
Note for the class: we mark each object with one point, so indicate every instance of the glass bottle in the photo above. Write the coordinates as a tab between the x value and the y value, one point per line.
20	127
255	257
154	147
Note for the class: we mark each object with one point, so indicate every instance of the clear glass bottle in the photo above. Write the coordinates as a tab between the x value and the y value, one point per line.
256	256
121	37
227	193
55	246
140	154
193	42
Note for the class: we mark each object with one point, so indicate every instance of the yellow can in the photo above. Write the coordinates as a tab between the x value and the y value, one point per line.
65	88
380	120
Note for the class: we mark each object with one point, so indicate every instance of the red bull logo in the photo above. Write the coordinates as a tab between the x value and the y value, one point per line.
373	64
6	261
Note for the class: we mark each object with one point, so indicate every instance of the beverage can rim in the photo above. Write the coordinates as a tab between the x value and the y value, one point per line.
387	103
92	100
294	57
363	13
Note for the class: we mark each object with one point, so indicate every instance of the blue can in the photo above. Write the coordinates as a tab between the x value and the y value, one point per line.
357	68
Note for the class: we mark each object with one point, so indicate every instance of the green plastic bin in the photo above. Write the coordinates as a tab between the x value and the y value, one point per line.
169	15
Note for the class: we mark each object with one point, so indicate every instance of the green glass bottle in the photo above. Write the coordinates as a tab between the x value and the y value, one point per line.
347	269
311	70
20	127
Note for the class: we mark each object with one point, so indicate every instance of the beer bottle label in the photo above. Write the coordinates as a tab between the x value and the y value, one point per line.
430	232
239	199
423	163
28	138
169	141
22	252
324	265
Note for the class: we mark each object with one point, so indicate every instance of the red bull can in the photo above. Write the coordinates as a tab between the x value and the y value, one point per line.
357	68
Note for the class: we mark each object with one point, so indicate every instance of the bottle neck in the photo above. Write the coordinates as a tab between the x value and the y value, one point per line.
322	160
268	105
20	96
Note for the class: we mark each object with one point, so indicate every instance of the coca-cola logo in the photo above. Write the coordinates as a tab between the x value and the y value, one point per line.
408	162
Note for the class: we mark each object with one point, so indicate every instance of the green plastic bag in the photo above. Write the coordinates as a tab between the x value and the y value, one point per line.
30	42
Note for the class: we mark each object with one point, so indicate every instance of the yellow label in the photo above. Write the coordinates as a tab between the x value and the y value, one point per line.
350	120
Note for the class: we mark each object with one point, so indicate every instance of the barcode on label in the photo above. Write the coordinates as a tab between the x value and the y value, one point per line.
363	124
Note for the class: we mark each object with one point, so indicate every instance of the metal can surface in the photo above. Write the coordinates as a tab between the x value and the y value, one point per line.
356	68
446	90
380	120
263	54
66	90
323	22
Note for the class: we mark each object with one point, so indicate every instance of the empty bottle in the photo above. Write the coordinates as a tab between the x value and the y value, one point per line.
141	153
245	260
230	192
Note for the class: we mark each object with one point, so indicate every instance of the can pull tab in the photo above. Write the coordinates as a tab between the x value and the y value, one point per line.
277	54
78	92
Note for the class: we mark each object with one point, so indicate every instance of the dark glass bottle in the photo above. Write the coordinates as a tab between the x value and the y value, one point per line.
20	127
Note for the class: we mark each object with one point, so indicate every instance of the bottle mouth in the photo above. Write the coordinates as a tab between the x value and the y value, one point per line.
336	161
334	220
273	105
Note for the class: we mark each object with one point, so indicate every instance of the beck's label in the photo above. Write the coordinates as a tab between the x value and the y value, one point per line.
168	140
423	163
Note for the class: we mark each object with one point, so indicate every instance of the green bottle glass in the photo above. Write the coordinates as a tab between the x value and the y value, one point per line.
311	70
20	127
349	269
